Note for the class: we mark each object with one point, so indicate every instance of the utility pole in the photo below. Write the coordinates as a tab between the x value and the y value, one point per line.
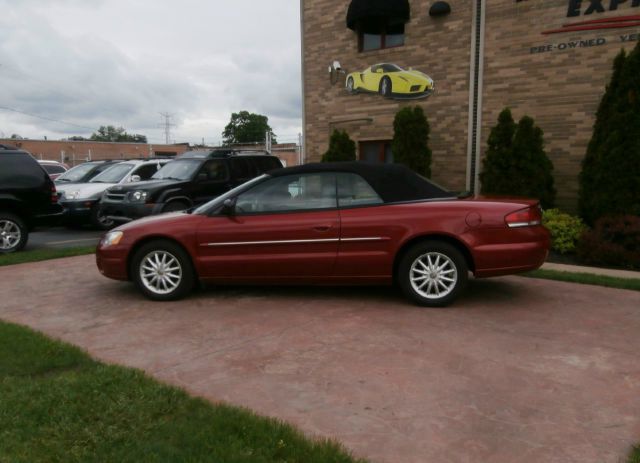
166	125
268	142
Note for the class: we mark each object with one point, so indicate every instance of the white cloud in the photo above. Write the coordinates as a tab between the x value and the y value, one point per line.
94	63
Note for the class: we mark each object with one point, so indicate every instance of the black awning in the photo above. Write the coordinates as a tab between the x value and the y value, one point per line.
366	12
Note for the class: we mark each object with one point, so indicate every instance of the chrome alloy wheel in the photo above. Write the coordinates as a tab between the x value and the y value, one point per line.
433	275
160	272
10	234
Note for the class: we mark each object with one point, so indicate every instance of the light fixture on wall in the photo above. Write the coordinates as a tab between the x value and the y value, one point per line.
334	70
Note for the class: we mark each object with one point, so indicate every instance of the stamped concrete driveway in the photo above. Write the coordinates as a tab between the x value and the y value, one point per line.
518	370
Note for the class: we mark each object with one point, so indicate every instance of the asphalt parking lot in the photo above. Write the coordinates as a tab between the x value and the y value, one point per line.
518	370
63	237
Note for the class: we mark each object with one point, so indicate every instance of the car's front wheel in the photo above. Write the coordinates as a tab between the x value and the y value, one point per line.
433	273
162	270
99	219
13	233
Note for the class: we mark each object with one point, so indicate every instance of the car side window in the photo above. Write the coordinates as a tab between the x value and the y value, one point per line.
215	170
290	193
353	191
146	171
241	169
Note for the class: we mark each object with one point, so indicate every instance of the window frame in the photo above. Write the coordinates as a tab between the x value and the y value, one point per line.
384	28
382	150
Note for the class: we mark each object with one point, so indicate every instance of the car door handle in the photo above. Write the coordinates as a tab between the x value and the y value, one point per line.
322	228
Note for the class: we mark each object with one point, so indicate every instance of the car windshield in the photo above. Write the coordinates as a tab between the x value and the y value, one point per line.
177	170
214	203
114	174
76	173
391	68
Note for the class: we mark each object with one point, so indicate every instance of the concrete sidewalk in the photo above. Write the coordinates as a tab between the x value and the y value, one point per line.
592	270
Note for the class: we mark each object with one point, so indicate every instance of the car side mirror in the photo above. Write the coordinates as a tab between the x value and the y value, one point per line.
229	207
134	178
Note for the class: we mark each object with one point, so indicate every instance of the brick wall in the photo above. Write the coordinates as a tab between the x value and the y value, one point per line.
437	47
559	86
76	152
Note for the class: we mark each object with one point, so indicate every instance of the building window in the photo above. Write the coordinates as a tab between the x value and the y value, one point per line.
377	38
376	151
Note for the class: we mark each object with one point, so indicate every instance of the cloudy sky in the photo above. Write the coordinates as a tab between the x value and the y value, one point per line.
79	64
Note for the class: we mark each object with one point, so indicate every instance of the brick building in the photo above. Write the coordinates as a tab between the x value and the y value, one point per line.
549	59
76	152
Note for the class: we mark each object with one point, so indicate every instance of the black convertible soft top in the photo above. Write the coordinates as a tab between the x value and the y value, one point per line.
392	182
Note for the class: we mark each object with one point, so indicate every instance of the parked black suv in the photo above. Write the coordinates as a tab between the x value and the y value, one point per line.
28	198
192	179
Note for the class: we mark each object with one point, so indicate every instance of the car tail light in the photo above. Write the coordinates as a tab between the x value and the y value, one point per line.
527	217
54	194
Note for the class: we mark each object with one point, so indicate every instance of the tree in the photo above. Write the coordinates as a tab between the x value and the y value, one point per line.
246	127
410	140
341	148
116	134
610	176
15	136
515	163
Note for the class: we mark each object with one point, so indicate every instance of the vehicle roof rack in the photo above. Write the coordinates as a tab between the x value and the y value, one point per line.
220	153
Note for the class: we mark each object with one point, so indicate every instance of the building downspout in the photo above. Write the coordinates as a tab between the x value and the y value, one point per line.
476	75
303	136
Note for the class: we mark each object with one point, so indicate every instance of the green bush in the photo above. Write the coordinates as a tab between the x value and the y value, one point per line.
565	229
613	241
410	145
610	176
341	148
515	163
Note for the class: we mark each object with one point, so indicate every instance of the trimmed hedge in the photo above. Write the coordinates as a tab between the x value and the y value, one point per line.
613	241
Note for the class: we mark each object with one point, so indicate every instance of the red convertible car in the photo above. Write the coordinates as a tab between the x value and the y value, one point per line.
334	223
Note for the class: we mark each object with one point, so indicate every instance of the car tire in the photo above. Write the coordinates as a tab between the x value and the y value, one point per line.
13	233
385	86
163	271
351	85
99	219
433	273
175	206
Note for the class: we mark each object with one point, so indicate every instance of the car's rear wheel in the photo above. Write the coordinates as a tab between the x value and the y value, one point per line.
163	271
13	233
385	86
433	273
99	219
175	206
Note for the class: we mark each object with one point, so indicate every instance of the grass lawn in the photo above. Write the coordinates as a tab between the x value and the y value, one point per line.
43	254
59	405
635	455
586	279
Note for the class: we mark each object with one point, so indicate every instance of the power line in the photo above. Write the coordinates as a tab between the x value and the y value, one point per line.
46	118
167	126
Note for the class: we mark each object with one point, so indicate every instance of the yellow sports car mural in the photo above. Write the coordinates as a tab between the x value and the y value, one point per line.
392	81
